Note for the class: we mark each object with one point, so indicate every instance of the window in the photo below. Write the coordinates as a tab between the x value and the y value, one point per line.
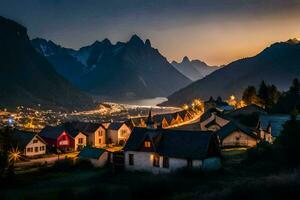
165	162
42	148
237	138
190	163
156	161
100	134
28	149
123	133
131	159
147	144
35	141
36	149
100	141
80	140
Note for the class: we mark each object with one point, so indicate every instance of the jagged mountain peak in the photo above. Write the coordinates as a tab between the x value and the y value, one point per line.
135	39
293	41
185	59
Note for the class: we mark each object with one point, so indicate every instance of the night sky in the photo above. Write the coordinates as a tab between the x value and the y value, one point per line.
216	31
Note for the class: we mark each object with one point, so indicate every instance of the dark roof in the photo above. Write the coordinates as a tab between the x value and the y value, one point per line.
212	122
21	139
172	143
86	127
235	126
89	152
247	110
53	132
115	125
206	115
189	127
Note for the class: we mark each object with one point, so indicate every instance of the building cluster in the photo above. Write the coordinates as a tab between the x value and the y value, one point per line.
154	143
165	120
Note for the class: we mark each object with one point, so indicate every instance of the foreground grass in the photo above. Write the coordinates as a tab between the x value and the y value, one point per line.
236	181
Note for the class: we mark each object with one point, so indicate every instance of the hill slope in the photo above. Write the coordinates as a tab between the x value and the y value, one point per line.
277	64
194	69
27	78
123	70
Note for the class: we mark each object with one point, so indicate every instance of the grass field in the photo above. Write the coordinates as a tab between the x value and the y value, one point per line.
234	181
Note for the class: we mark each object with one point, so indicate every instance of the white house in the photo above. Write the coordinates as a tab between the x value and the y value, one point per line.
118	133
234	134
97	156
165	151
29	143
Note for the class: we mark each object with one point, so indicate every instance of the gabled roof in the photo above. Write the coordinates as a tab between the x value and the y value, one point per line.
53	132
89	152
234	126
21	139
213	122
247	110
172	143
115	125
86	127
206	115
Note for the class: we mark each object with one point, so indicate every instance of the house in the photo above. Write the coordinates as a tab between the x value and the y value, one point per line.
118	133
212	120
95	132
217	104
29	143
237	135
165	151
97	156
64	137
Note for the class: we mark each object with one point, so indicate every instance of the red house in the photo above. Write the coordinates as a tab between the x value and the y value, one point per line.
64	137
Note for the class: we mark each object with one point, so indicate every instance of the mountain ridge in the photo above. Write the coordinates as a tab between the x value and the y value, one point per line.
276	64
193	69
28	78
143	67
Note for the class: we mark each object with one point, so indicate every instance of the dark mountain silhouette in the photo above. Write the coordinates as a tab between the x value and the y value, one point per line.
123	70
27	78
194	69
278	64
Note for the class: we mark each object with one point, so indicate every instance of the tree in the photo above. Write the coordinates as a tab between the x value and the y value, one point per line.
289	140
263	91
295	88
249	95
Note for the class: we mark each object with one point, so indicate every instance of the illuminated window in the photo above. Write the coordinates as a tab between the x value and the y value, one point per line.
165	162
123	133
131	159
100	133
156	161
147	144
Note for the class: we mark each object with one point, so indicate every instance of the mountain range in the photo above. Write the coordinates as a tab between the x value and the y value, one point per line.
27	78
124	70
278	64
193	69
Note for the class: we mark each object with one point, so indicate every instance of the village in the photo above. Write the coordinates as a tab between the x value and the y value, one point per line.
193	137
201	144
